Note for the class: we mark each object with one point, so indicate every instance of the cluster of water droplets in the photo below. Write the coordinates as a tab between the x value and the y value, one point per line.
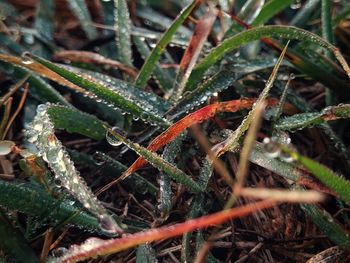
41	133
141	104
273	148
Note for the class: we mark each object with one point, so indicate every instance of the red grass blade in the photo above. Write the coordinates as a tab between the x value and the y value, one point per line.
96	247
196	117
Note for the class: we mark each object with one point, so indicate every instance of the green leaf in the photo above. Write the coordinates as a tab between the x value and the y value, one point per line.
13	243
122	25
81	12
151	61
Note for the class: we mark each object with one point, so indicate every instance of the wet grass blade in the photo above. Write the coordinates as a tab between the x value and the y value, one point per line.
13	243
89	86
81	12
75	121
335	182
191	119
328	225
105	247
172	171
192	52
253	34
269	10
44	19
310	119
165	80
231	143
151	61
32	201
122	26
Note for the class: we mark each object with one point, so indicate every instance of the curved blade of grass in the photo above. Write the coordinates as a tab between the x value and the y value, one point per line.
231	143
172	171
13	243
105	247
305	120
122	26
192	52
81	12
151	61
88	85
337	183
253	34
191	119
270	9
27	199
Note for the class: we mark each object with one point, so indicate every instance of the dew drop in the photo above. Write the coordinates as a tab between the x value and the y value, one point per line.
271	148
286	157
111	139
26	59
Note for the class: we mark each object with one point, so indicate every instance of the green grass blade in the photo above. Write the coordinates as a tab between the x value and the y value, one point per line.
75	121
305	120
165	80
122	25
44	19
27	199
269	10
145	254
109	96
245	37
151	61
153	158
301	18
13	243
81	12
232	142
328	225
335	182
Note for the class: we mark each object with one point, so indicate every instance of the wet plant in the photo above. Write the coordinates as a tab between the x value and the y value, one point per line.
192	131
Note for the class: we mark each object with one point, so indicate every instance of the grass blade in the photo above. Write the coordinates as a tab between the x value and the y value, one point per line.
270	9
81	12
310	119
122	26
151	61
253	34
101	247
